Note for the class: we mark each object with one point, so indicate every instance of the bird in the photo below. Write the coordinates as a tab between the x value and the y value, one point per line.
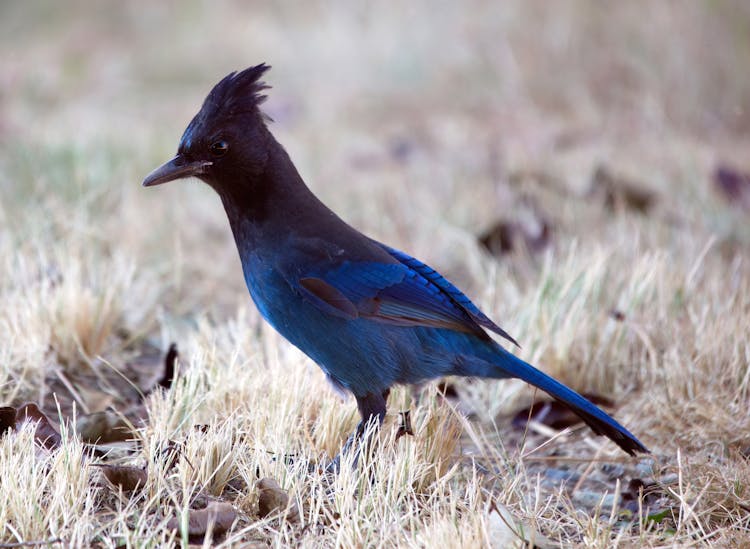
370	315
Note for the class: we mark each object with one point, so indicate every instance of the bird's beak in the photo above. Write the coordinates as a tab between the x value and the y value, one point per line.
177	168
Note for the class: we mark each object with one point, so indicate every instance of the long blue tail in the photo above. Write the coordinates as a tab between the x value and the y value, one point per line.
599	421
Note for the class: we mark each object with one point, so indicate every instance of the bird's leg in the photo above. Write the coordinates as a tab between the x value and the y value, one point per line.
372	409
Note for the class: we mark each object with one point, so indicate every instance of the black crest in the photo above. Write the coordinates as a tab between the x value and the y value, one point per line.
238	92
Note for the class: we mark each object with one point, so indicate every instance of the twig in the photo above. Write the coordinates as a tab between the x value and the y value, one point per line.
546	431
31	543
69	386
586	473
613	459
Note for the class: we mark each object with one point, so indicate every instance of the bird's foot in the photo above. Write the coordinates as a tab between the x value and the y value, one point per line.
361	441
352	444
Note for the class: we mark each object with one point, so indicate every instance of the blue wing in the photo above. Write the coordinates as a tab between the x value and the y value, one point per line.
406	292
456	295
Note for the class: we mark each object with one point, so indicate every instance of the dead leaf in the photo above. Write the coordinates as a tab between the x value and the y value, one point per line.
555	414
447	390
733	185
45	433
7	419
620	193
127	477
404	427
498	239
217	517
137	414
541	178
169	366
95	400
645	494
531	232
616	314
103	428
151	369
272	499
171	452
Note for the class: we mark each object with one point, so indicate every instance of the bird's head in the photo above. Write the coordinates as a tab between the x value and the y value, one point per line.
227	138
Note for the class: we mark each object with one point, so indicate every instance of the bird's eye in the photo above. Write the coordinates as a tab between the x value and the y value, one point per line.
219	148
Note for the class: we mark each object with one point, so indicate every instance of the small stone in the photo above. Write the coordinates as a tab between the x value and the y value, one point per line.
594	499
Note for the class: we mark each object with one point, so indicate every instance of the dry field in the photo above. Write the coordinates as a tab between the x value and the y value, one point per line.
599	147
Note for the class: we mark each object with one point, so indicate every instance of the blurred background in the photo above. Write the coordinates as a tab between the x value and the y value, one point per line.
496	140
493	139
471	93
580	168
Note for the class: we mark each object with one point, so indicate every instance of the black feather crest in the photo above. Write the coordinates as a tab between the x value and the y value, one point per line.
238	92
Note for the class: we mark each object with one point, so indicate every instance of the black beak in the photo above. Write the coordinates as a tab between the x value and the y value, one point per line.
177	168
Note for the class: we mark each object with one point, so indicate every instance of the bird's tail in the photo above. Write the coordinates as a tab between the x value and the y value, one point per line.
599	421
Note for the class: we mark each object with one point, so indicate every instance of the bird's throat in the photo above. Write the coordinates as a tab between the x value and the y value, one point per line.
263	208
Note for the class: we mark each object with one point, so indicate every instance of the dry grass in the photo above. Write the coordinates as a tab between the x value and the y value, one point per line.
421	126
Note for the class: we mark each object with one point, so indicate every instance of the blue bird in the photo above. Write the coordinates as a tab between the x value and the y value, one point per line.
369	315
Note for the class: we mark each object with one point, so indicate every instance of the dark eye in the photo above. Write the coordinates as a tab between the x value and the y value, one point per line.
219	148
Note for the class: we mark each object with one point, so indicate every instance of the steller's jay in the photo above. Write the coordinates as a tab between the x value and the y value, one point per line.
369	315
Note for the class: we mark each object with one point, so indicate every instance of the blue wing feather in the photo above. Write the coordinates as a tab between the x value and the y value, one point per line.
456	295
405	293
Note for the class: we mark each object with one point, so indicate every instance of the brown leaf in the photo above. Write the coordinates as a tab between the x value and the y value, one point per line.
7	419
404	427
170	453
649	488
498	239
733	185
447	390
555	414
95	400
103	428
506	236
169	366
645	494
45	433
272	499
620	193
217	517
137	414
616	314
152	368
127	477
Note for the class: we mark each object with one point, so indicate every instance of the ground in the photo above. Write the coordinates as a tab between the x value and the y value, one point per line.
580	169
